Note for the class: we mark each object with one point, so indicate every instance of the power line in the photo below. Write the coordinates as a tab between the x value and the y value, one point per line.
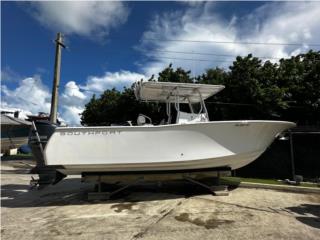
147	52
211	54
193	59
208	60
235	42
122	52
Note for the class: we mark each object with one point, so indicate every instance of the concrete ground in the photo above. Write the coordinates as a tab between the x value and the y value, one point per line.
172	211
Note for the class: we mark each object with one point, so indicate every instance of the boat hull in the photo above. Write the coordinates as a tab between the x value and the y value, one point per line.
230	144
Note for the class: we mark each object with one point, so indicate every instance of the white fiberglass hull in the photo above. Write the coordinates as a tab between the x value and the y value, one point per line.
232	144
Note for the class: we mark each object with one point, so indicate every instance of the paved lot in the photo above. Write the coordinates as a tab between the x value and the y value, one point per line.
173	211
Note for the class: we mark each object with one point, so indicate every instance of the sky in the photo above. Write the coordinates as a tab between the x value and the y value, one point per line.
114	44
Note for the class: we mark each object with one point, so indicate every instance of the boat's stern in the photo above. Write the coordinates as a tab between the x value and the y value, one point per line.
38	138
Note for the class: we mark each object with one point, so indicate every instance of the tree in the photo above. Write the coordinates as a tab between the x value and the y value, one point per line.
242	97
171	75
288	90
300	76
215	108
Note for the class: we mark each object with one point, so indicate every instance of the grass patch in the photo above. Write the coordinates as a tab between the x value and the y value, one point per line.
19	156
237	180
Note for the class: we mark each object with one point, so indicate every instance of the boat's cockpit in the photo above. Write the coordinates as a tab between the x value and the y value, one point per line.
175	94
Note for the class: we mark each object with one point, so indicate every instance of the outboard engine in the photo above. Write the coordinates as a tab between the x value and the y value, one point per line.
40	134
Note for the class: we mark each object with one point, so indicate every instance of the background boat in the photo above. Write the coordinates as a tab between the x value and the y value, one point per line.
14	132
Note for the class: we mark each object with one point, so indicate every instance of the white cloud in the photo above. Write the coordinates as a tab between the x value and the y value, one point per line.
112	80
71	103
32	96
86	18
71	114
72	94
272	23
76	96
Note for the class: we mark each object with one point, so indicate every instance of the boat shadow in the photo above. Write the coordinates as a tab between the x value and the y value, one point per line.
308	214
72	192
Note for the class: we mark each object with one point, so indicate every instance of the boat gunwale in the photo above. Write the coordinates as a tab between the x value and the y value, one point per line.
174	125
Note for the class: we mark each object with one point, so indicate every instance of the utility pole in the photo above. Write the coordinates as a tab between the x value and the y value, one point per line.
56	79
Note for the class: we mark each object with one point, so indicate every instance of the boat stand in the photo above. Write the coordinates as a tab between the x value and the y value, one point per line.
132	179
101	195
216	189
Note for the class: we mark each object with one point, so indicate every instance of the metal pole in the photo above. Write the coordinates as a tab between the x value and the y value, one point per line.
292	156
56	80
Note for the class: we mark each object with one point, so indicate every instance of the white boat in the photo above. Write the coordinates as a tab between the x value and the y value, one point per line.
190	143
